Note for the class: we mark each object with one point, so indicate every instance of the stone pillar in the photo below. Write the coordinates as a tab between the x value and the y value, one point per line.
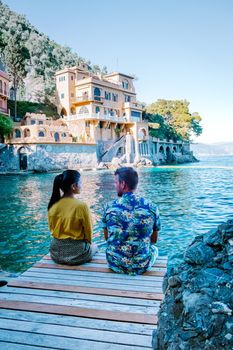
137	154
128	148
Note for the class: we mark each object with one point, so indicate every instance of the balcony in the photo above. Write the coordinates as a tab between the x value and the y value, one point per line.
133	105
96	116
3	92
86	99
3	110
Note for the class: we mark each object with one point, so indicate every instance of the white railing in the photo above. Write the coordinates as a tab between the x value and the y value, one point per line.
133	104
96	116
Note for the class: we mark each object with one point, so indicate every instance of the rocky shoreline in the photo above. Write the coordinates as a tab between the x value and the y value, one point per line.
197	311
48	163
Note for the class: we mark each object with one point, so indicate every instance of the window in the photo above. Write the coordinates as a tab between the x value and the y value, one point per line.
17	133
97	110
135	116
62	95
41	122
72	77
97	94
127	98
87	124
33	122
41	133
27	133
63	78
125	84
107	95
63	134
114	97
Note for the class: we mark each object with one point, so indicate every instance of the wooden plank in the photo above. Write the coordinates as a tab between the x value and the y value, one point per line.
43	341
103	255
91	264
66	276
104	325
14	346
80	289
81	296
95	260
57	280
76	332
104	276
92	268
82	303
78	311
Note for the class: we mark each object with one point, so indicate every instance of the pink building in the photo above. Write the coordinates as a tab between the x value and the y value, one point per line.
4	91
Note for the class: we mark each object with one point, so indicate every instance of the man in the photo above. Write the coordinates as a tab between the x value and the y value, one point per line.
131	226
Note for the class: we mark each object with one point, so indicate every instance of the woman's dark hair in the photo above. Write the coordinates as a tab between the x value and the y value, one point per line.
129	175
63	181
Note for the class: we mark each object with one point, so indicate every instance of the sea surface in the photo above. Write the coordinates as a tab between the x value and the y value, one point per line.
192	199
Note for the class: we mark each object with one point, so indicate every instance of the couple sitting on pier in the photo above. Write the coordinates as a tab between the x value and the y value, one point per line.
130	225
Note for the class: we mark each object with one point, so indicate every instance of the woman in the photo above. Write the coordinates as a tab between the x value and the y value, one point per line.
69	222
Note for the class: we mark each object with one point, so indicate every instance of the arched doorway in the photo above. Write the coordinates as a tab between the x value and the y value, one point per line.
142	134
63	112
72	111
23	159
56	137
27	133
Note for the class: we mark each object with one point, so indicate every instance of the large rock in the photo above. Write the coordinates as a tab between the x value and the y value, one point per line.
197	311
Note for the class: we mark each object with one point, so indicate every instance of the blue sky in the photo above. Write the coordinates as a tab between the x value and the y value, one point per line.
178	49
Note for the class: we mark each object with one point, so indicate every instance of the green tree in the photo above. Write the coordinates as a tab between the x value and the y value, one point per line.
46	56
176	114
161	129
15	55
6	126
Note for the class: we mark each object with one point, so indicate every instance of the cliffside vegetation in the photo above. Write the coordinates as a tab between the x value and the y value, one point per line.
31	58
175	120
6	126
33	107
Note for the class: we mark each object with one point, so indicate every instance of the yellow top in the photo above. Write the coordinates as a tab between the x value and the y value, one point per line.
70	218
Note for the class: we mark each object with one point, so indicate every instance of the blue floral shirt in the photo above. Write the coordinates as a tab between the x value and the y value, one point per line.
130	221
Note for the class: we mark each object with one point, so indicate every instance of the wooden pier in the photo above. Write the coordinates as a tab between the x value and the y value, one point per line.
82	307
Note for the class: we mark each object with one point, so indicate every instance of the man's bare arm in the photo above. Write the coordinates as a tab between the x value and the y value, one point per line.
106	234
154	236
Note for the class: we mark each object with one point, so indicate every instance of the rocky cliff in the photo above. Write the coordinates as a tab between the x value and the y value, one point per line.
197	310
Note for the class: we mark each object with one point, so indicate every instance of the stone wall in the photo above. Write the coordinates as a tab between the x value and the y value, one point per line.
47	157
197	310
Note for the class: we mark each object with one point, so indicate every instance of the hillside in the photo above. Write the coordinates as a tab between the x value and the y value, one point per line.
223	148
46	56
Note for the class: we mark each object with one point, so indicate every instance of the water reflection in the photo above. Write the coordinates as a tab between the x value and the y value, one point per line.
191	199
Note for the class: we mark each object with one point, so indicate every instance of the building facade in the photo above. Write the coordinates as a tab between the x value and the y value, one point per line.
100	121
99	107
4	92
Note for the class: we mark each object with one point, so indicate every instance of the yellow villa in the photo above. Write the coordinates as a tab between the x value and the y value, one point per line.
99	107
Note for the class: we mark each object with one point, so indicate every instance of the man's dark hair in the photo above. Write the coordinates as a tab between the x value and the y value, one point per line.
129	175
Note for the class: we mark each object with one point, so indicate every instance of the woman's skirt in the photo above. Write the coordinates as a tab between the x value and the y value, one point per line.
70	251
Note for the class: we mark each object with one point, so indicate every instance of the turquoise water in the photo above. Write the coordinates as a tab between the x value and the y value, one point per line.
192	199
